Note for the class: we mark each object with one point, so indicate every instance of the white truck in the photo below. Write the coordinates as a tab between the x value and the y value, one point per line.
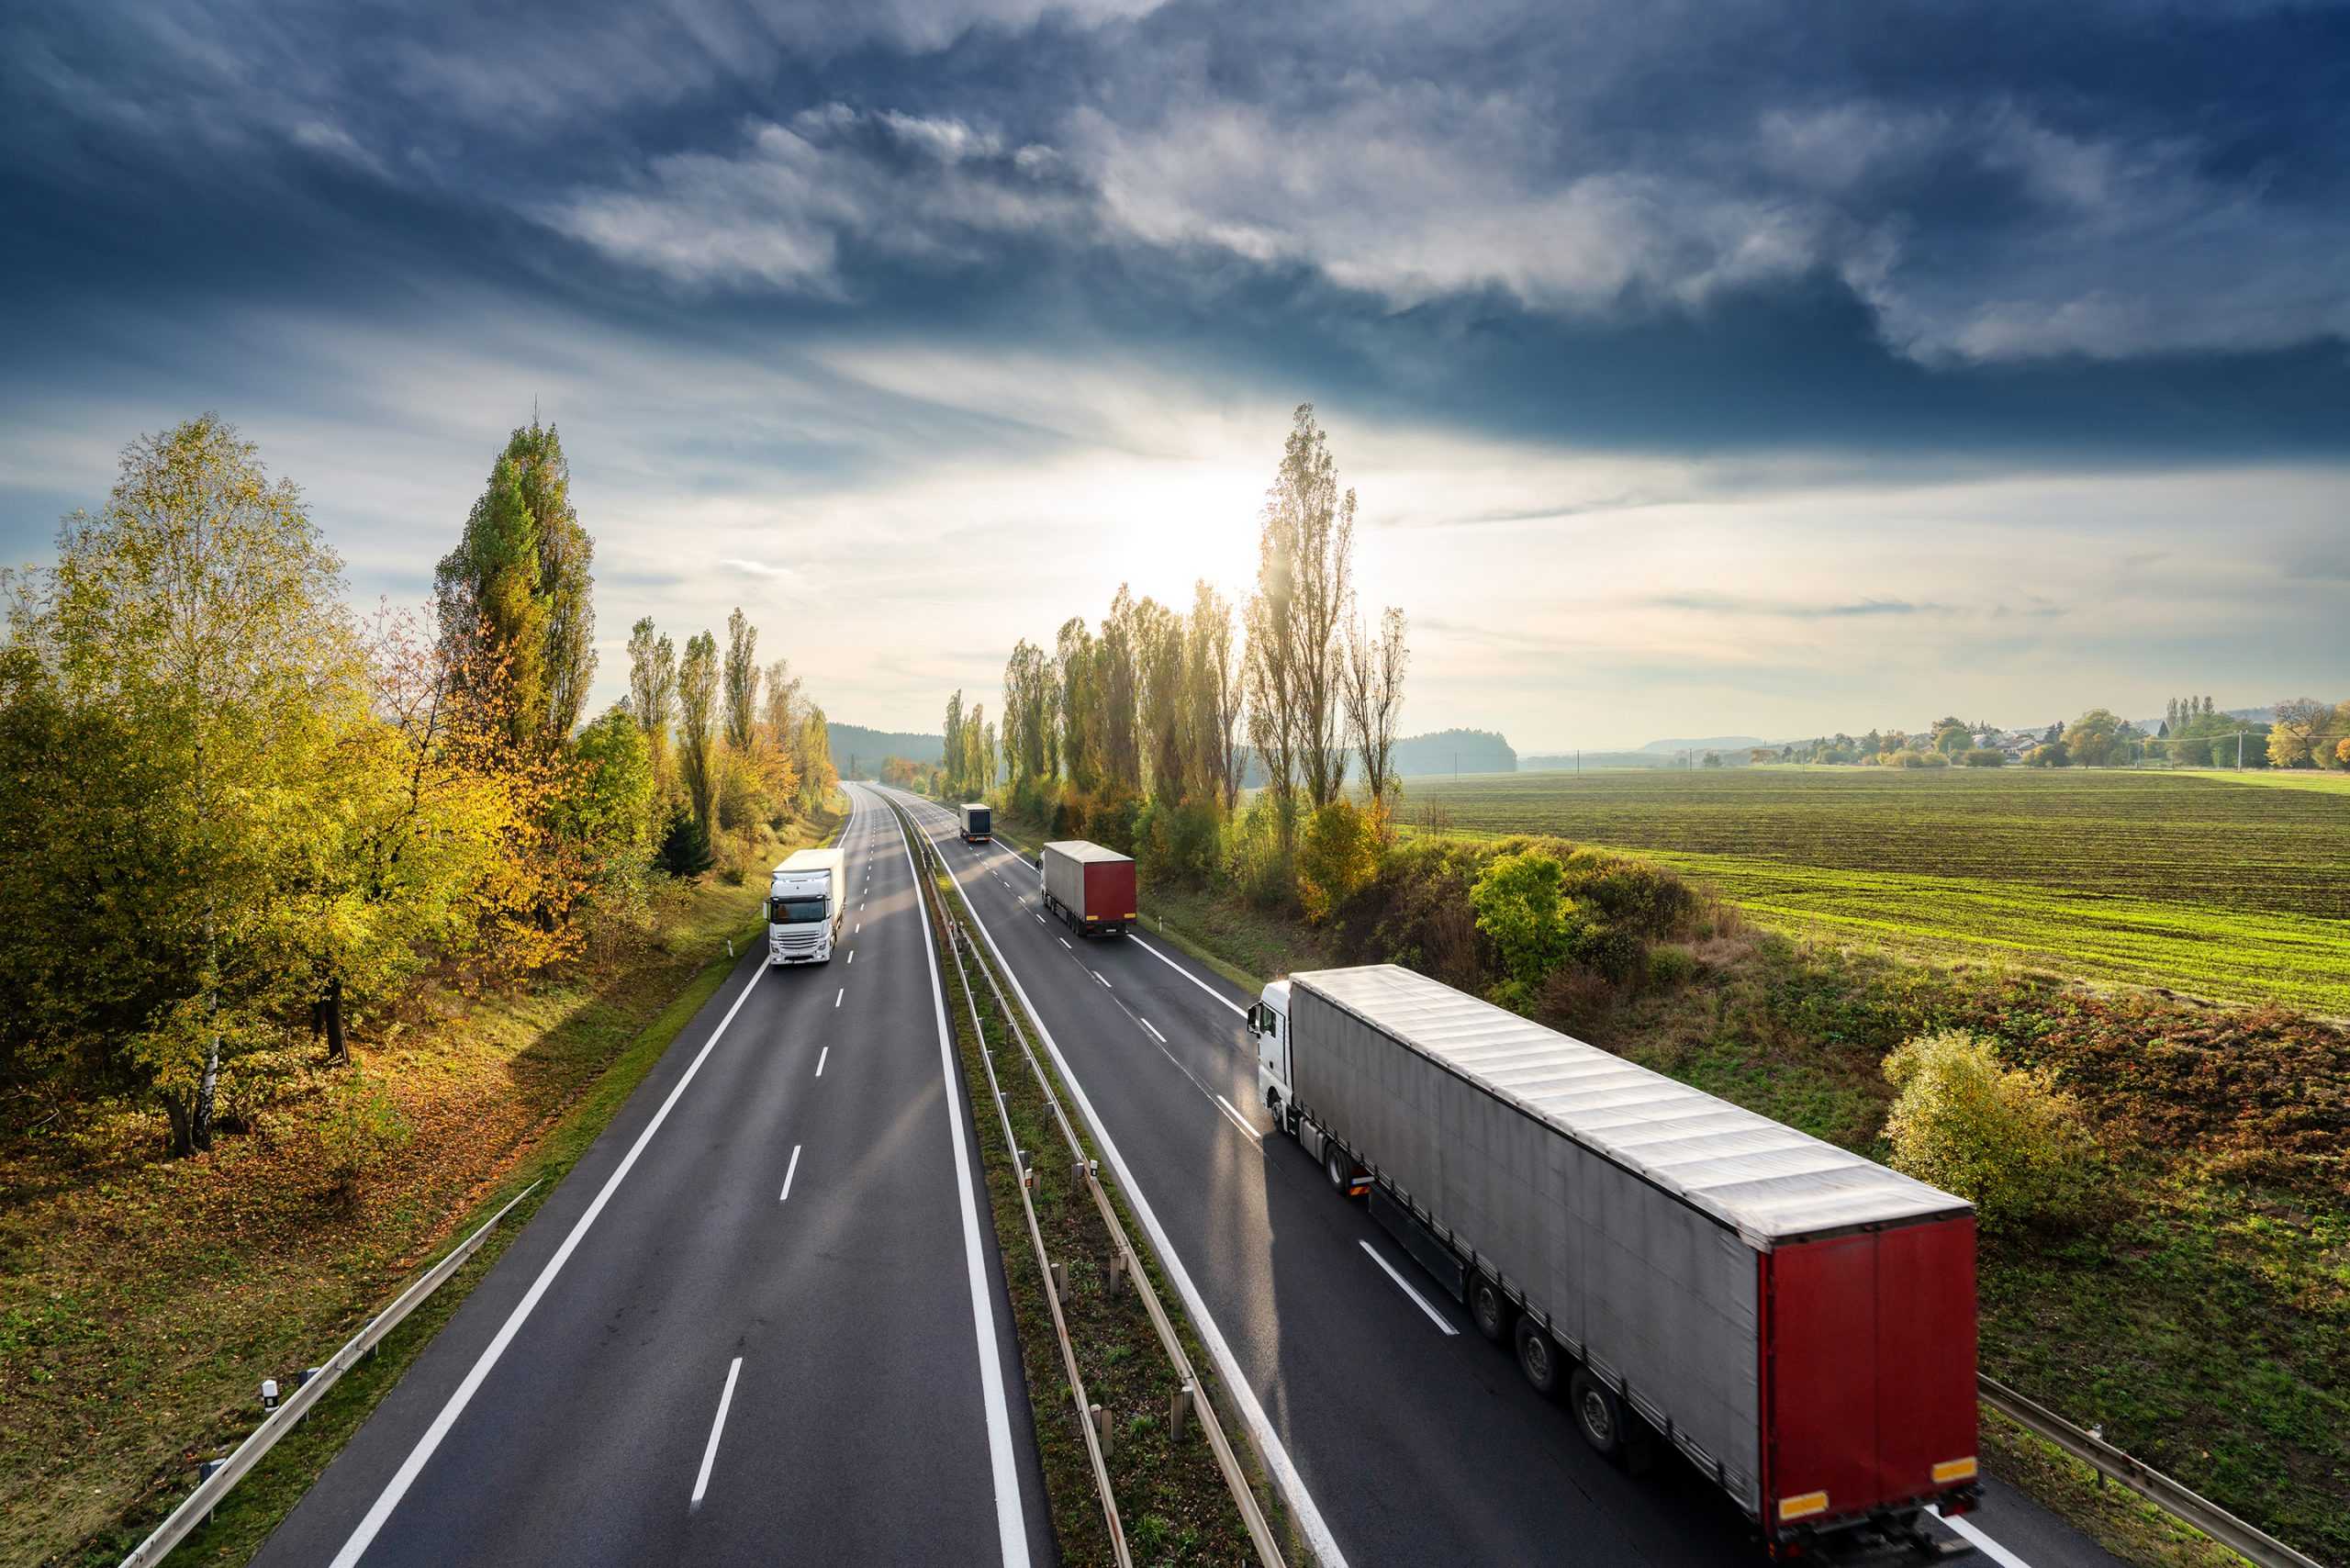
1797	1320
806	896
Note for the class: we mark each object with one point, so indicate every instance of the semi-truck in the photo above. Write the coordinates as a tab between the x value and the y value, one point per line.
806	896
1090	888
979	822
1797	1320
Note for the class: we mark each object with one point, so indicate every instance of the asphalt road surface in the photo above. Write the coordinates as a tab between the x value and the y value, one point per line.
1396	1433
761	1321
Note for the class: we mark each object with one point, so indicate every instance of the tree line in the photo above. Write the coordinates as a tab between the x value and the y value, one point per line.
1138	730
238	817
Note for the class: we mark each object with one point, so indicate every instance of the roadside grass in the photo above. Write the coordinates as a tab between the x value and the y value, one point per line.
143	1299
2114	1516
2174	881
1172	1503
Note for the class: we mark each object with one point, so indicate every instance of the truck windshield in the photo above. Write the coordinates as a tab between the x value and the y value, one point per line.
795	912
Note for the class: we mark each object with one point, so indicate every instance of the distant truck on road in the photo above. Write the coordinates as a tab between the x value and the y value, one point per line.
979	822
1090	888
1797	1320
806	896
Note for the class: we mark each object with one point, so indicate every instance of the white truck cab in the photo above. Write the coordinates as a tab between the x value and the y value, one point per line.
1268	1026
806	898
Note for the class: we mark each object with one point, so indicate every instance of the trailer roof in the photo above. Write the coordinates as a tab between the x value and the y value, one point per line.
1085	850
1767	1181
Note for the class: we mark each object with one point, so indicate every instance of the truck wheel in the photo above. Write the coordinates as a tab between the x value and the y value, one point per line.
1599	1415
1538	1357
1340	1169
1489	1308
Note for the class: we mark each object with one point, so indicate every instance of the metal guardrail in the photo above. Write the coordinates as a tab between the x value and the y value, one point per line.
214	1487
1244	1496
955	941
2143	1479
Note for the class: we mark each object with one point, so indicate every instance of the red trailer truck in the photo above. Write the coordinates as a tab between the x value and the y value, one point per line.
1794	1320
1090	888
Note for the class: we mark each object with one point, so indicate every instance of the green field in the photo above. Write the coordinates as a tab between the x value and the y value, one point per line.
2189	881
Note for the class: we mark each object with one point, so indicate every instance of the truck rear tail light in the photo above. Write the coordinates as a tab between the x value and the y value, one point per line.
1802	1506
1954	1470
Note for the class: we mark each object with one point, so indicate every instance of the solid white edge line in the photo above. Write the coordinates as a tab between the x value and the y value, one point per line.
1308	1517
710	1451
1405	1286
820	1057
788	1172
1239	1121
1972	1533
1011	1526
1223	1001
364	1534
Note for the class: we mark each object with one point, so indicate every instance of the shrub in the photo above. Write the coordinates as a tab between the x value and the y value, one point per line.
1670	968
1339	854
1255	858
359	1130
1985	756
2005	1139
1179	841
1906	759
685	848
2050	754
1638	896
1932	759
1521	903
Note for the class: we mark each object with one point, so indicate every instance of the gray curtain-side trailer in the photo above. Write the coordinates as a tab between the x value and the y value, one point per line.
1795	1319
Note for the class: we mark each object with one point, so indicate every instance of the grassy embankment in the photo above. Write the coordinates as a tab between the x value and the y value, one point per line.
1171	1499
2186	881
142	1300
2201	1320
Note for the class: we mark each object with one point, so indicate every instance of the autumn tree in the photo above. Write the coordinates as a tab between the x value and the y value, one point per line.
741	680
195	625
1216	673
1371	681
697	726
1304	577
519	581
2094	740
652	689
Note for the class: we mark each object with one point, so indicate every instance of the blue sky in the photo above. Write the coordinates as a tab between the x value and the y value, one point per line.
1701	367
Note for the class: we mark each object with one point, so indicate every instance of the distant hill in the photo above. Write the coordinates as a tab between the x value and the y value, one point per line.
1451	751
857	751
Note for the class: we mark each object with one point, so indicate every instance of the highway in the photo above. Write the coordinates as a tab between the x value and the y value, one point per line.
762	1319
1397	1434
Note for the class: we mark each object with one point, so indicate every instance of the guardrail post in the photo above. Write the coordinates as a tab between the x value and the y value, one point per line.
1060	1278
1117	1272
1178	1413
1102	1428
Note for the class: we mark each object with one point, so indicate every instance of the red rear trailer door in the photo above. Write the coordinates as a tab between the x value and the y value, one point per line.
1110	891
1871	1371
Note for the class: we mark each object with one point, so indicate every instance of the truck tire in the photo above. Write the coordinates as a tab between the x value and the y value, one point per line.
1489	1308
1336	1165
1538	1358
1599	1415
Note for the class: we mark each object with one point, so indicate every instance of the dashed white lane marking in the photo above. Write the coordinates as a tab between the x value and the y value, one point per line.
1106	984
1405	1286
852	955
788	1172
1064	942
838	994
1154	1032
1241	1121
709	1454
820	1057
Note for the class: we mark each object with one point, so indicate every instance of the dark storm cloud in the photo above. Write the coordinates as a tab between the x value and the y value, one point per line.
2086	233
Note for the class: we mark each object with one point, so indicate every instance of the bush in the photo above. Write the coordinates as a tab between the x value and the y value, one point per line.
1521	903
1254	856
359	1130
1179	842
2007	1141
1985	756
1670	968
2050	754
685	848
1338	856
1932	759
